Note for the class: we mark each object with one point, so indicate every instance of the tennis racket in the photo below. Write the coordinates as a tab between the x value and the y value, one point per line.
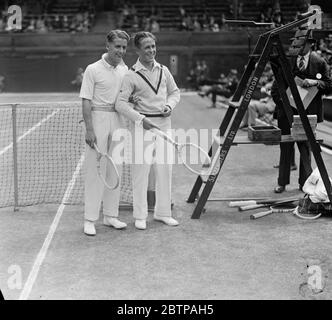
283	208
266	201
296	212
188	150
268	204
109	163
104	157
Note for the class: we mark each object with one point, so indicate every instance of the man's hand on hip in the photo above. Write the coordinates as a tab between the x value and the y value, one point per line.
167	111
148	124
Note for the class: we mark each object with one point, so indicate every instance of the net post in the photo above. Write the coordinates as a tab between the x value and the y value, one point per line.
14	108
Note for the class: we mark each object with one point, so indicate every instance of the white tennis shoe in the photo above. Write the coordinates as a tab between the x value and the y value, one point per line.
167	220
89	228
140	224
114	222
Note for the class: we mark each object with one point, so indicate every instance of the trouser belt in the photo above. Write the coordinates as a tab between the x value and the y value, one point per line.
109	108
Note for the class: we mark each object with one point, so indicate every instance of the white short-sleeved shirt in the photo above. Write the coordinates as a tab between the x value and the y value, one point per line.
101	82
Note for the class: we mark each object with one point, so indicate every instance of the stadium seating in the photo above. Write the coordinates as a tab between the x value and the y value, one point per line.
56	16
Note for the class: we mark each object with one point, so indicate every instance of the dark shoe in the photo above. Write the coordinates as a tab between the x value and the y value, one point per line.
279	189
293	167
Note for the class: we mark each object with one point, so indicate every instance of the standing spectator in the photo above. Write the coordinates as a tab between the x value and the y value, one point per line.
305	66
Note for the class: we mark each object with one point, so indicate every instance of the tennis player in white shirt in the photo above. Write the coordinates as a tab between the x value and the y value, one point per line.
99	90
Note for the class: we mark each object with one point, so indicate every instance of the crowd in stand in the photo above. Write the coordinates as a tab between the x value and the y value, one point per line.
39	17
205	19
202	22
128	18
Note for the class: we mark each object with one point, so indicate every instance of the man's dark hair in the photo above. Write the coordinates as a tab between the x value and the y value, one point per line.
142	35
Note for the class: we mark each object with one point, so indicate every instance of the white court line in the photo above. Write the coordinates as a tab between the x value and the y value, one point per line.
5	149
43	251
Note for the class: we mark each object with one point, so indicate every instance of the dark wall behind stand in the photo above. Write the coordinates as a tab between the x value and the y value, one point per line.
48	63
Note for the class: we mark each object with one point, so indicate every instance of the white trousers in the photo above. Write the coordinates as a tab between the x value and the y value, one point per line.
159	153
104	124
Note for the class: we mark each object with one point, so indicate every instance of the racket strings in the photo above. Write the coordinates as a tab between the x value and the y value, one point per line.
194	158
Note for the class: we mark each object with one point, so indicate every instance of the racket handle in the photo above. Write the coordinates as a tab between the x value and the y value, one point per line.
241	203
251	207
260	214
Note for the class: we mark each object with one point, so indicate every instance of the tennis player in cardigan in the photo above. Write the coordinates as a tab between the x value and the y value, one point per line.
157	95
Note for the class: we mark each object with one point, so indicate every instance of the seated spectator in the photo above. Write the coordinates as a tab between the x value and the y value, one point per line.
2	83
125	11
40	25
211	22
240	10
215	28
183	25
146	24
78	79
57	23
261	105
204	74
261	17
322	46
204	22
277	19
2	24
32	26
79	17
48	23
182	11
194	75
133	10
136	23
222	87
196	24
86	26
259	109
221	22
155	26
65	23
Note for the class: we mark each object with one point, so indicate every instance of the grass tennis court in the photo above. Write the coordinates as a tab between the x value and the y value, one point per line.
224	255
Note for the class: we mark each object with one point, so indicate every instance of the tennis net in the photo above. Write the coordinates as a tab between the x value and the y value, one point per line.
41	155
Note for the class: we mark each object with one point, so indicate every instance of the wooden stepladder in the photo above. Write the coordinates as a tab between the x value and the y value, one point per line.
268	49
